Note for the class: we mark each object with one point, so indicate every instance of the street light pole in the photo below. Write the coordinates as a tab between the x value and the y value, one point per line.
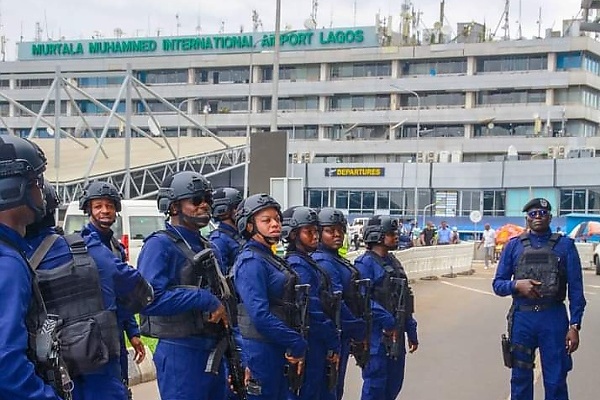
425	210
416	197
275	94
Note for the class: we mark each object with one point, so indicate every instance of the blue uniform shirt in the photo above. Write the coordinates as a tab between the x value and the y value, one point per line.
19	380
322	328
565	249
331	262
257	281
223	239
370	269
444	235
160	262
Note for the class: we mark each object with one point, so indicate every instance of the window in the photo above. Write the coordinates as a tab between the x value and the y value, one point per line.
434	67
166	76
470	201
510	97
567	61
294	73
512	63
574	200
318	198
494	202
359	103
141	227
341	199
360	70
34	83
100	81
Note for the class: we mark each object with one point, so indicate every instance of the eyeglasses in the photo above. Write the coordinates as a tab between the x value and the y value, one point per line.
538	213
197	200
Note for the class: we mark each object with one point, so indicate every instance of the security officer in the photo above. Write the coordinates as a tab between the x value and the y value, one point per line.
265	286
539	269
87	292
344	277
226	237
22	164
300	232
177	316
101	201
383	376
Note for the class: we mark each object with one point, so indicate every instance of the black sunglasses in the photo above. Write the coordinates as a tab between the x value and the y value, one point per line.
197	200
537	213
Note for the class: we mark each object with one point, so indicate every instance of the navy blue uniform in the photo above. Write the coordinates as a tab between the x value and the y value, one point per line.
117	280
127	322
353	328
19	380
322	335
383	377
546	329
228	241
180	362
257	281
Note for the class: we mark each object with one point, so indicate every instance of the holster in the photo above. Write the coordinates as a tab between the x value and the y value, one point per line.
506	351
331	372
361	352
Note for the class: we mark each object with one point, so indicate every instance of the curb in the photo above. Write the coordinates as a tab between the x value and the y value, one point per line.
142	372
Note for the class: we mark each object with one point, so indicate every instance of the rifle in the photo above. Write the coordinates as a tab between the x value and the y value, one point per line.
393	344
51	365
206	263
295	371
333	363
362	350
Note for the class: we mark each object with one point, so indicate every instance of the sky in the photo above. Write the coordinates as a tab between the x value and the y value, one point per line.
84	19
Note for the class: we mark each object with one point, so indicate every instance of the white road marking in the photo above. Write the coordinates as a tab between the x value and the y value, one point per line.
468	288
593	286
591	293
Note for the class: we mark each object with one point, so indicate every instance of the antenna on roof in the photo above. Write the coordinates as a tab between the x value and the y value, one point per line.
118	32
313	13
504	17
38	32
519	24
178	24
199	25
256	21
222	28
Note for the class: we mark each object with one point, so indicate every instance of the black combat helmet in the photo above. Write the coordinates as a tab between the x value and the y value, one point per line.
329	216
99	190
49	220
250	206
225	200
376	228
183	185
296	217
22	163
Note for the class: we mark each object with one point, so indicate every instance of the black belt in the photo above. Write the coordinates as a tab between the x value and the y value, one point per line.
536	307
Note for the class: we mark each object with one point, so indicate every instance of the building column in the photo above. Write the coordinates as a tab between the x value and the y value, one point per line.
471	65
552	62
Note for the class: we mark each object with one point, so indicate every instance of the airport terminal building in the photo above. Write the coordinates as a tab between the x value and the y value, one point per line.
468	125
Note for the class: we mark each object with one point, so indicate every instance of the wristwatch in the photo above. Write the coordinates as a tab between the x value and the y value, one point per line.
577	327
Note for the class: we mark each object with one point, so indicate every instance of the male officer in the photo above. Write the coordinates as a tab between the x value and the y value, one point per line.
226	237
102	201
178	315
392	310
80	280
22	311
539	269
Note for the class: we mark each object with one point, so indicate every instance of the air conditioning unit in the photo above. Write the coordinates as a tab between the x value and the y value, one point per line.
457	156
305	158
444	156
295	158
561	152
420	157
573	153
431	157
587	152
552	152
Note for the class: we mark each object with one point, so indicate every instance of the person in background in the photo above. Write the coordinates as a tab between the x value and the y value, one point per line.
455	237
488	240
427	235
226	237
444	234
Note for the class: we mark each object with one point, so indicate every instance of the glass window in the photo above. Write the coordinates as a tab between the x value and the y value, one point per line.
383	199
494	202
355	202
512	63
141	227
166	76
470	200
341	199
368	201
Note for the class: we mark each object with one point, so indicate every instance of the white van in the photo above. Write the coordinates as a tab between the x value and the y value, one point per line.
137	219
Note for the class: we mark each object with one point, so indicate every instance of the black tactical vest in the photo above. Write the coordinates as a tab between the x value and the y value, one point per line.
543	265
325	290
189	323
88	333
283	308
385	294
351	295
235	236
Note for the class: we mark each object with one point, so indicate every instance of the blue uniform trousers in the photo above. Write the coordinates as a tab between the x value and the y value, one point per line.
266	362
315	381
383	377
180	373
104	384
546	330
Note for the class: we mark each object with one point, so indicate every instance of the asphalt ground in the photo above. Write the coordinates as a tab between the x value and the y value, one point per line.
460	323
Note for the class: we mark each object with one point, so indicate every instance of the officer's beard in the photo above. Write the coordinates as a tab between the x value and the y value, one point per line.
197	222
104	226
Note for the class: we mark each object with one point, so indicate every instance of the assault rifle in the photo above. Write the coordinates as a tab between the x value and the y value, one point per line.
206	263
394	343
362	350
295	371
333	364
52	368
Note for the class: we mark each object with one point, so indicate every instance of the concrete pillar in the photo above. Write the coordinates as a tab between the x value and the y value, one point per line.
551	62
471	65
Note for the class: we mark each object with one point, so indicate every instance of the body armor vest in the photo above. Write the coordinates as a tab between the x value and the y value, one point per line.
352	296
325	290
283	308
88	333
386	293
235	236
189	323
543	265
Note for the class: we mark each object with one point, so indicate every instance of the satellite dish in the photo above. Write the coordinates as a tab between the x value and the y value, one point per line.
154	127
50	131
512	151
310	24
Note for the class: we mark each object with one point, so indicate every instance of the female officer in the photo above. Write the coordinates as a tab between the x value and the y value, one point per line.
322	359
345	278
265	285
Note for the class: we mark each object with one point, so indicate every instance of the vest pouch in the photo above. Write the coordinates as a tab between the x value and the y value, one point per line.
82	346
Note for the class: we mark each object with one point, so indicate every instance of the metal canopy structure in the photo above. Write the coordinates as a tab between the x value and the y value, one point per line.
134	181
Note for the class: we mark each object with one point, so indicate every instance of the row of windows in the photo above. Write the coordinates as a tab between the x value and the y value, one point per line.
580	201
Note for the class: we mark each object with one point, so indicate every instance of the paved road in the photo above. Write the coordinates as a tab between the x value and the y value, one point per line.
460	322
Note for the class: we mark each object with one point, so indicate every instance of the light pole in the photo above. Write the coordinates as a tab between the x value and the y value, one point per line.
425	210
416	199
181	103
275	94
